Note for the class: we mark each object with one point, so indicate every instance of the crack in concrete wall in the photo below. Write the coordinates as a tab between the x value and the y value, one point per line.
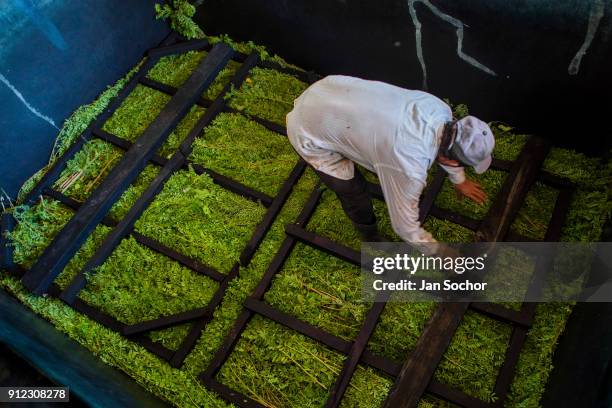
19	96
458	24
595	16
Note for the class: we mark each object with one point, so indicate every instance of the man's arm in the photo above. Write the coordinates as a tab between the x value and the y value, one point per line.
455	174
402	194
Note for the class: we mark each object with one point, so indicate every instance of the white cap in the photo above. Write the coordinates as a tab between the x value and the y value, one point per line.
474	143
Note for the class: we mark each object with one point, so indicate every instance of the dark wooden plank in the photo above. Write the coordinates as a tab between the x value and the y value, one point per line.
112	323
467	222
74	204
230	395
245	316
177	160
189	342
308	77
544	176
170	39
156	348
508	201
418	369
354	355
150	243
324	244
274	209
421	364
555	181
218	179
274	127
502	165
108	322
205	103
178	48
501	313
557	221
194	333
507	370
105	320
228	345
233	186
240	56
165	321
75	232
527	312
191	263
171	90
287	245
97	315
60	163
336	343
112	139
124	144
384	364
315	333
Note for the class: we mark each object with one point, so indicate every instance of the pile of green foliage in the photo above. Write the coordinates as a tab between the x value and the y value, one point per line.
272	364
180	15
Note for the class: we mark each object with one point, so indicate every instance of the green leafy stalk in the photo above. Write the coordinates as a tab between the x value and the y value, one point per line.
180	15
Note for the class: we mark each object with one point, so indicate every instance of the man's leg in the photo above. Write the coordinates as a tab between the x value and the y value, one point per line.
356	203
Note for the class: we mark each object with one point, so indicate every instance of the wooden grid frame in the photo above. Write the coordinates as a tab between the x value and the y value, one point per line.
414	377
200	316
434	340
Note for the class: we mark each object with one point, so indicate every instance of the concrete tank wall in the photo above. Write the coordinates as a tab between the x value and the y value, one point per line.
56	55
544	66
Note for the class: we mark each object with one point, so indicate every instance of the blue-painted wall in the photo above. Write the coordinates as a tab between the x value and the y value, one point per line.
56	55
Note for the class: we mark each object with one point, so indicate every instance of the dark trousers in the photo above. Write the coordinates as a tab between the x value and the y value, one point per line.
353	195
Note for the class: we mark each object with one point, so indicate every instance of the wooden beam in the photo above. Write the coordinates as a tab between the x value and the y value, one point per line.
354	355
165	321
179	48
467	222
218	179
206	103
422	362
194	333
67	242
148	242
274	209
324	244
245	316
229	394
420	366
508	201
174	163
307	329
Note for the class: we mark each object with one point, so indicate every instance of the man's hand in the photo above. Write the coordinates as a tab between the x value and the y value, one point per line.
471	190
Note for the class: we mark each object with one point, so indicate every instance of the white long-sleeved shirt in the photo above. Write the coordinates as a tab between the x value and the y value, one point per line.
394	132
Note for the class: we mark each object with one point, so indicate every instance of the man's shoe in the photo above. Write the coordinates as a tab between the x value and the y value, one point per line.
369	233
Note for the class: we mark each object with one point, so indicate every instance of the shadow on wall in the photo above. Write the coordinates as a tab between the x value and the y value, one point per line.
542	66
56	55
